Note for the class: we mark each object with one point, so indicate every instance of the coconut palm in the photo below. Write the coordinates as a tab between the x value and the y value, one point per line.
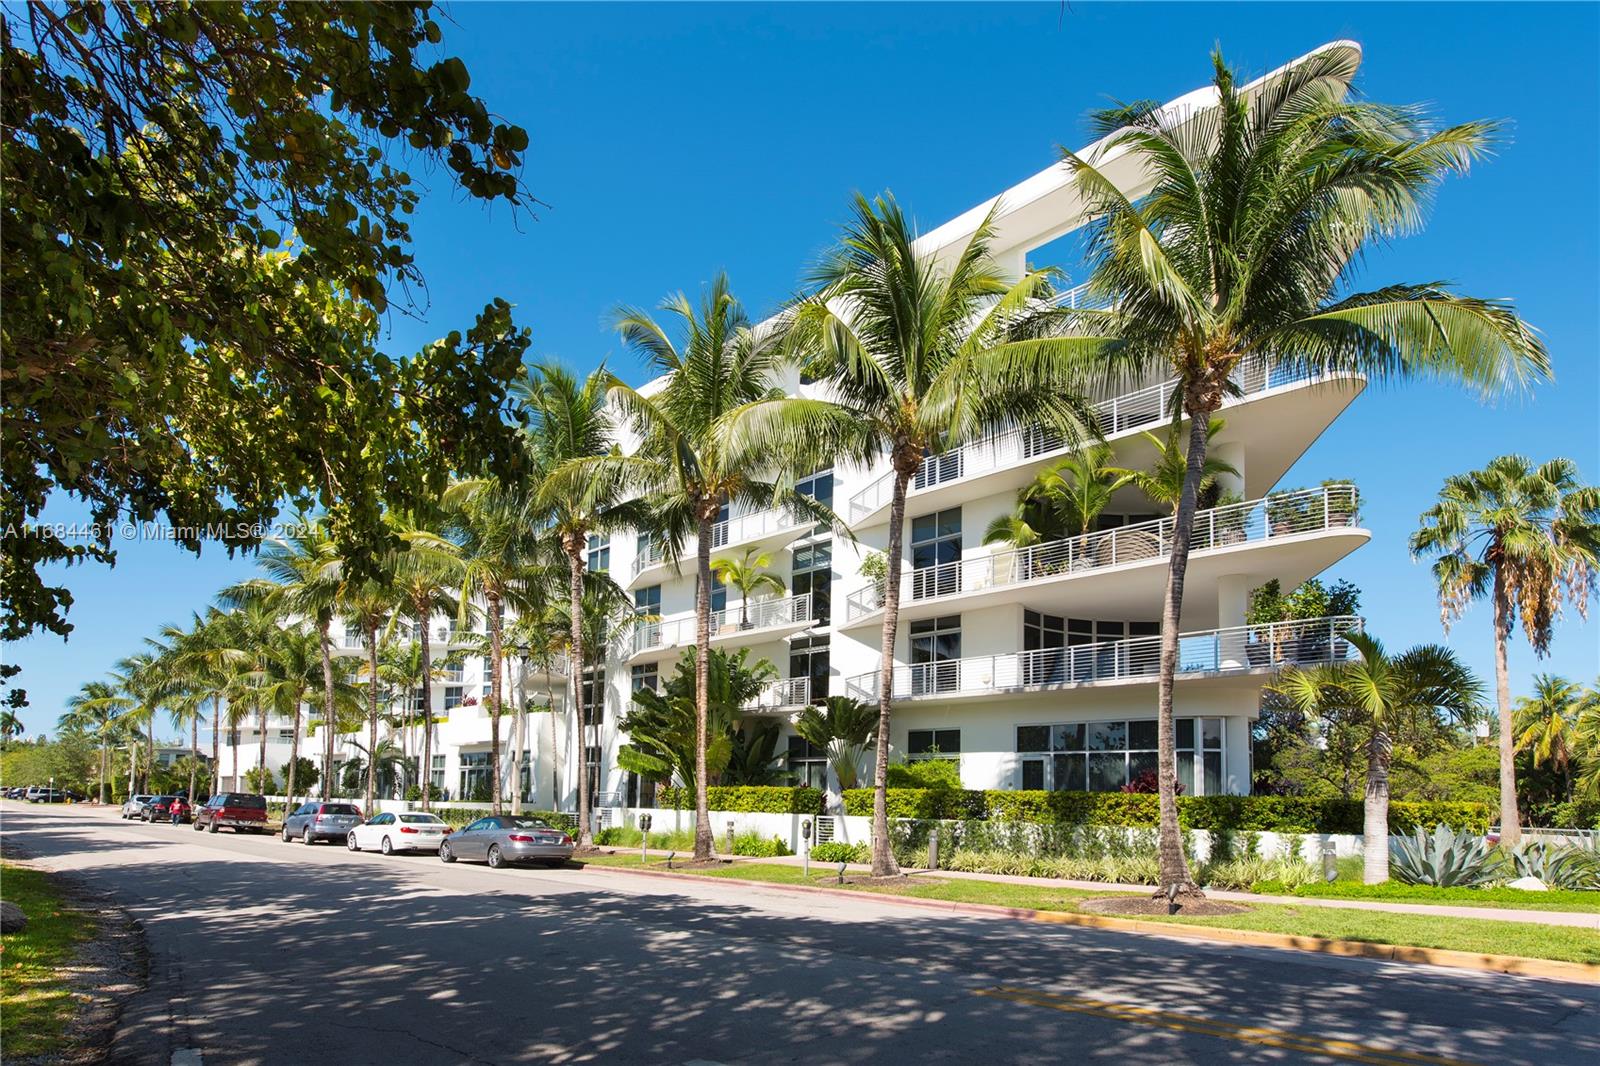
843	727
93	709
1242	252
294	668
539	637
426	575
572	424
1389	696
749	574
1528	538
684	464
368	605
1062	500
1546	724
912	356
10	725
142	680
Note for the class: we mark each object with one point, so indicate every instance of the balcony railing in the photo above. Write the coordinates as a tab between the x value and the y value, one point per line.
734	530
1216	651
651	554
1135	410
781	695
761	614
1253	521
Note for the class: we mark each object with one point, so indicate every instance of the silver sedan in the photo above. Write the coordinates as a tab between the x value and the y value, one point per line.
503	839
133	807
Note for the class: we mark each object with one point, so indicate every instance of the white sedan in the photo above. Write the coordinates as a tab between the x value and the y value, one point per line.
389	833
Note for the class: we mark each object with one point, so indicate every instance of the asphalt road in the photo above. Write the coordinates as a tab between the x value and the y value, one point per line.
264	953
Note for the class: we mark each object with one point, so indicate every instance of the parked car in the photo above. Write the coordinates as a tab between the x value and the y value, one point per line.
316	821
46	795
20	792
159	809
502	839
133	806
389	833
243	812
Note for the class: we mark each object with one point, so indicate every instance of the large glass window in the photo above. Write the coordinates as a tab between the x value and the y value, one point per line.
808	764
808	657
476	776
935	549
935	651
647	675
933	744
1043	638
594	693
813	572
647	601
1105	756
719	593
819	487
436	776
453	695
599	554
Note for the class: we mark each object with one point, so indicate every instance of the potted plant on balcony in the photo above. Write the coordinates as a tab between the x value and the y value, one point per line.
1062	501
1342	502
875	568
1229	519
749	575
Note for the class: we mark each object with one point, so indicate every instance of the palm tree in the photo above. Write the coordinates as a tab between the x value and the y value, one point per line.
540	636
368	606
294	668
141	679
1546	724
425	577
750	574
683	462
843	727
1163	483
1528	538
913	357
387	771
10	725
1242	251
1586	729
1389	695
572	425
1062	500
93	709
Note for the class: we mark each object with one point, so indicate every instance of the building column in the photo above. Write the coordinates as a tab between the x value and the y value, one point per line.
1233	600
1232	453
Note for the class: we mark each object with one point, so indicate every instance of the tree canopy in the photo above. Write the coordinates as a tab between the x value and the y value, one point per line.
205	215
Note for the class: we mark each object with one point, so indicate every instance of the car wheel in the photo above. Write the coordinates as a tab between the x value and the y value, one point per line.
306	838
286	837
212	827
386	847
445	854
198	827
496	860
350	842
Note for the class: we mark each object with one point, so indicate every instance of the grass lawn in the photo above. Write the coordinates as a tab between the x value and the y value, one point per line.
1394	891
35	1003
1484	937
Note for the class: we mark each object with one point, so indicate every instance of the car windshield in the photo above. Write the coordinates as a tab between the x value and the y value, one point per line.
420	819
339	808
248	802
530	823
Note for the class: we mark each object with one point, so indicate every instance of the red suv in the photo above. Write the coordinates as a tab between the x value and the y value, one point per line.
243	812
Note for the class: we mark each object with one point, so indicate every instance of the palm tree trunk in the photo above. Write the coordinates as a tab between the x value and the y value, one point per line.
105	764
575	621
323	625
1510	820
238	778
883	864
520	744
1175	875
1375	811
555	779
150	753
194	750
289	781
427	717
372	717
216	743
496	650
702	662
261	754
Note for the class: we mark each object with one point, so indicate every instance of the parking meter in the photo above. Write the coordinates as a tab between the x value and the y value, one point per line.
644	839
805	847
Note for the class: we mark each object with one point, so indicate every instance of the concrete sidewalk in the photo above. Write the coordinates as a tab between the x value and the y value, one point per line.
1575	919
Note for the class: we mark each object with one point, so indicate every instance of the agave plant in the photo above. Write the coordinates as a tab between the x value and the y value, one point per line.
1572	866
1444	858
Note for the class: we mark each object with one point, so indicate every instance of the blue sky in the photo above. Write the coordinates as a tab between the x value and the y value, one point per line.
671	142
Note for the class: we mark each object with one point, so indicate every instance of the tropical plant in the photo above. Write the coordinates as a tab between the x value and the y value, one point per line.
386	774
1163	483
260	779
1444	858
1387	694
914	355
843	727
1546	725
754	758
93	709
425	575
1063	500
10	725
368	605
1528	538
749	574
1240	256
1570	866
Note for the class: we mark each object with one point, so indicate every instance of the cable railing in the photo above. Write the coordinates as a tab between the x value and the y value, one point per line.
735	530
1120	414
650	554
1217	651
679	630
781	695
1253	521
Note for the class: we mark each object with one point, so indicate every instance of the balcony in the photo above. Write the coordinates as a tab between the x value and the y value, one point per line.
1018	450
781	697
768	619
1284	519
771	528
1211	653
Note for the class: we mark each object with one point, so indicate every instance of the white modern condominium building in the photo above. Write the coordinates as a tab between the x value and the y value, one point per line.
1033	667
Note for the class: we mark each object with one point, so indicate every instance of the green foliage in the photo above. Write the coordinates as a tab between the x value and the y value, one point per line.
758	846
838	851
306	775
925	773
460	816
1558	866
260	779
1444	858
1311	599
72	759
200	236
753	799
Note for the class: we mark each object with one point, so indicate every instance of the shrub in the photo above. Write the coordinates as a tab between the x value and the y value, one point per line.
1444	858
619	836
748	799
838	851
260	779
1243	874
758	846
941	803
925	773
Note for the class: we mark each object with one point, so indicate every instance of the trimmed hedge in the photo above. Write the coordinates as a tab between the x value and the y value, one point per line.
1262	814
456	817
747	799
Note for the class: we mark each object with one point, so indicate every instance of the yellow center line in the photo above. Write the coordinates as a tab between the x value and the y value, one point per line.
1249	1034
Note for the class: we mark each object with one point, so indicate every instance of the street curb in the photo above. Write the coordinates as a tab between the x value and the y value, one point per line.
1581	972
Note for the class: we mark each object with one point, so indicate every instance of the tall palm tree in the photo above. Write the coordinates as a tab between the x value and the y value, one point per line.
1244	249
720	364
1546	724
239	648
572	425
294	668
540	636
1062	500
93	709
749	574
1388	695
1528	538
10	725
913	356
369	605
494	526
142	680
426	575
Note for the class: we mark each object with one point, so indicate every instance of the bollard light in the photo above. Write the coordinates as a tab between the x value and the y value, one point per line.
730	839
933	847
670	856
1330	862
841	873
